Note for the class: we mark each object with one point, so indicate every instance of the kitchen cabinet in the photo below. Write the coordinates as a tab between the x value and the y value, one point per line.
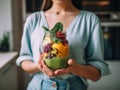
8	71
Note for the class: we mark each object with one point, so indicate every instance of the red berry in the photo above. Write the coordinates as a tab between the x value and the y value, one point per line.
60	34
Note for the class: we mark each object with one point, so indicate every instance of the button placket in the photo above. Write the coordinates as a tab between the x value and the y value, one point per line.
54	85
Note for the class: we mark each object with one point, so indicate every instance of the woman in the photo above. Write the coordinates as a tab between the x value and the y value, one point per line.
84	35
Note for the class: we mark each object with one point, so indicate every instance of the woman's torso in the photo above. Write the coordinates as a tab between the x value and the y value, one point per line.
77	28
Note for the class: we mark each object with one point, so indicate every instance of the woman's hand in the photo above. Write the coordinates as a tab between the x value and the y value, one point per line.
50	73
71	66
42	67
86	71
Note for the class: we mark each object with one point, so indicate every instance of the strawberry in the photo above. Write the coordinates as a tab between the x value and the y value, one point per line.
60	34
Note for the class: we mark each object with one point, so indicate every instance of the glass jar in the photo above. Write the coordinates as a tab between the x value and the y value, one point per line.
55	50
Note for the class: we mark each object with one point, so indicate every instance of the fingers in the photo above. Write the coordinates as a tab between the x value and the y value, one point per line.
47	71
60	72
42	66
39	62
40	58
71	62
67	70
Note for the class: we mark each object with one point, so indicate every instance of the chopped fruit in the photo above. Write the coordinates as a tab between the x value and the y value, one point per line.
55	47
60	34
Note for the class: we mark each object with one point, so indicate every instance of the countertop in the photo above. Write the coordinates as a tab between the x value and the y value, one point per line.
110	82
6	57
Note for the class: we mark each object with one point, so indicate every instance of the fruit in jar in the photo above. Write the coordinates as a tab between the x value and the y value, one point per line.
55	47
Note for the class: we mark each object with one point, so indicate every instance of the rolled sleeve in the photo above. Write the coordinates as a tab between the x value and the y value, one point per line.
22	58
26	50
102	66
95	49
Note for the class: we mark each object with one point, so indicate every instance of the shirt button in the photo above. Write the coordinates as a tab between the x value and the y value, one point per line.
54	85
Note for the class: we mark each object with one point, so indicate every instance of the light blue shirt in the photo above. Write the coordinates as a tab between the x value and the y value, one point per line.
84	35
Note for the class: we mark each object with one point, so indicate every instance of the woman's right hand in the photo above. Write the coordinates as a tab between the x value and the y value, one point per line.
42	67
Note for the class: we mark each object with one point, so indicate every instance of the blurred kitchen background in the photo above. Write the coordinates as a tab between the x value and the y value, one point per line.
12	17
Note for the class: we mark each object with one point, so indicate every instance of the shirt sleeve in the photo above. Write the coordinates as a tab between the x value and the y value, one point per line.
26	51
95	48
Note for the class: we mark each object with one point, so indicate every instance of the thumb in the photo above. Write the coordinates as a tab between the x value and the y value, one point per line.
71	62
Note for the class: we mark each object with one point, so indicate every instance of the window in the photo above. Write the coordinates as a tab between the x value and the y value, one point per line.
33	5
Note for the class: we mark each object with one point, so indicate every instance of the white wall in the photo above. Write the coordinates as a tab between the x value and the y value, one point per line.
24	10
5	16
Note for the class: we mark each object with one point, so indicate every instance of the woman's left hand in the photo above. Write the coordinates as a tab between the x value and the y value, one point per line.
42	67
71	67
